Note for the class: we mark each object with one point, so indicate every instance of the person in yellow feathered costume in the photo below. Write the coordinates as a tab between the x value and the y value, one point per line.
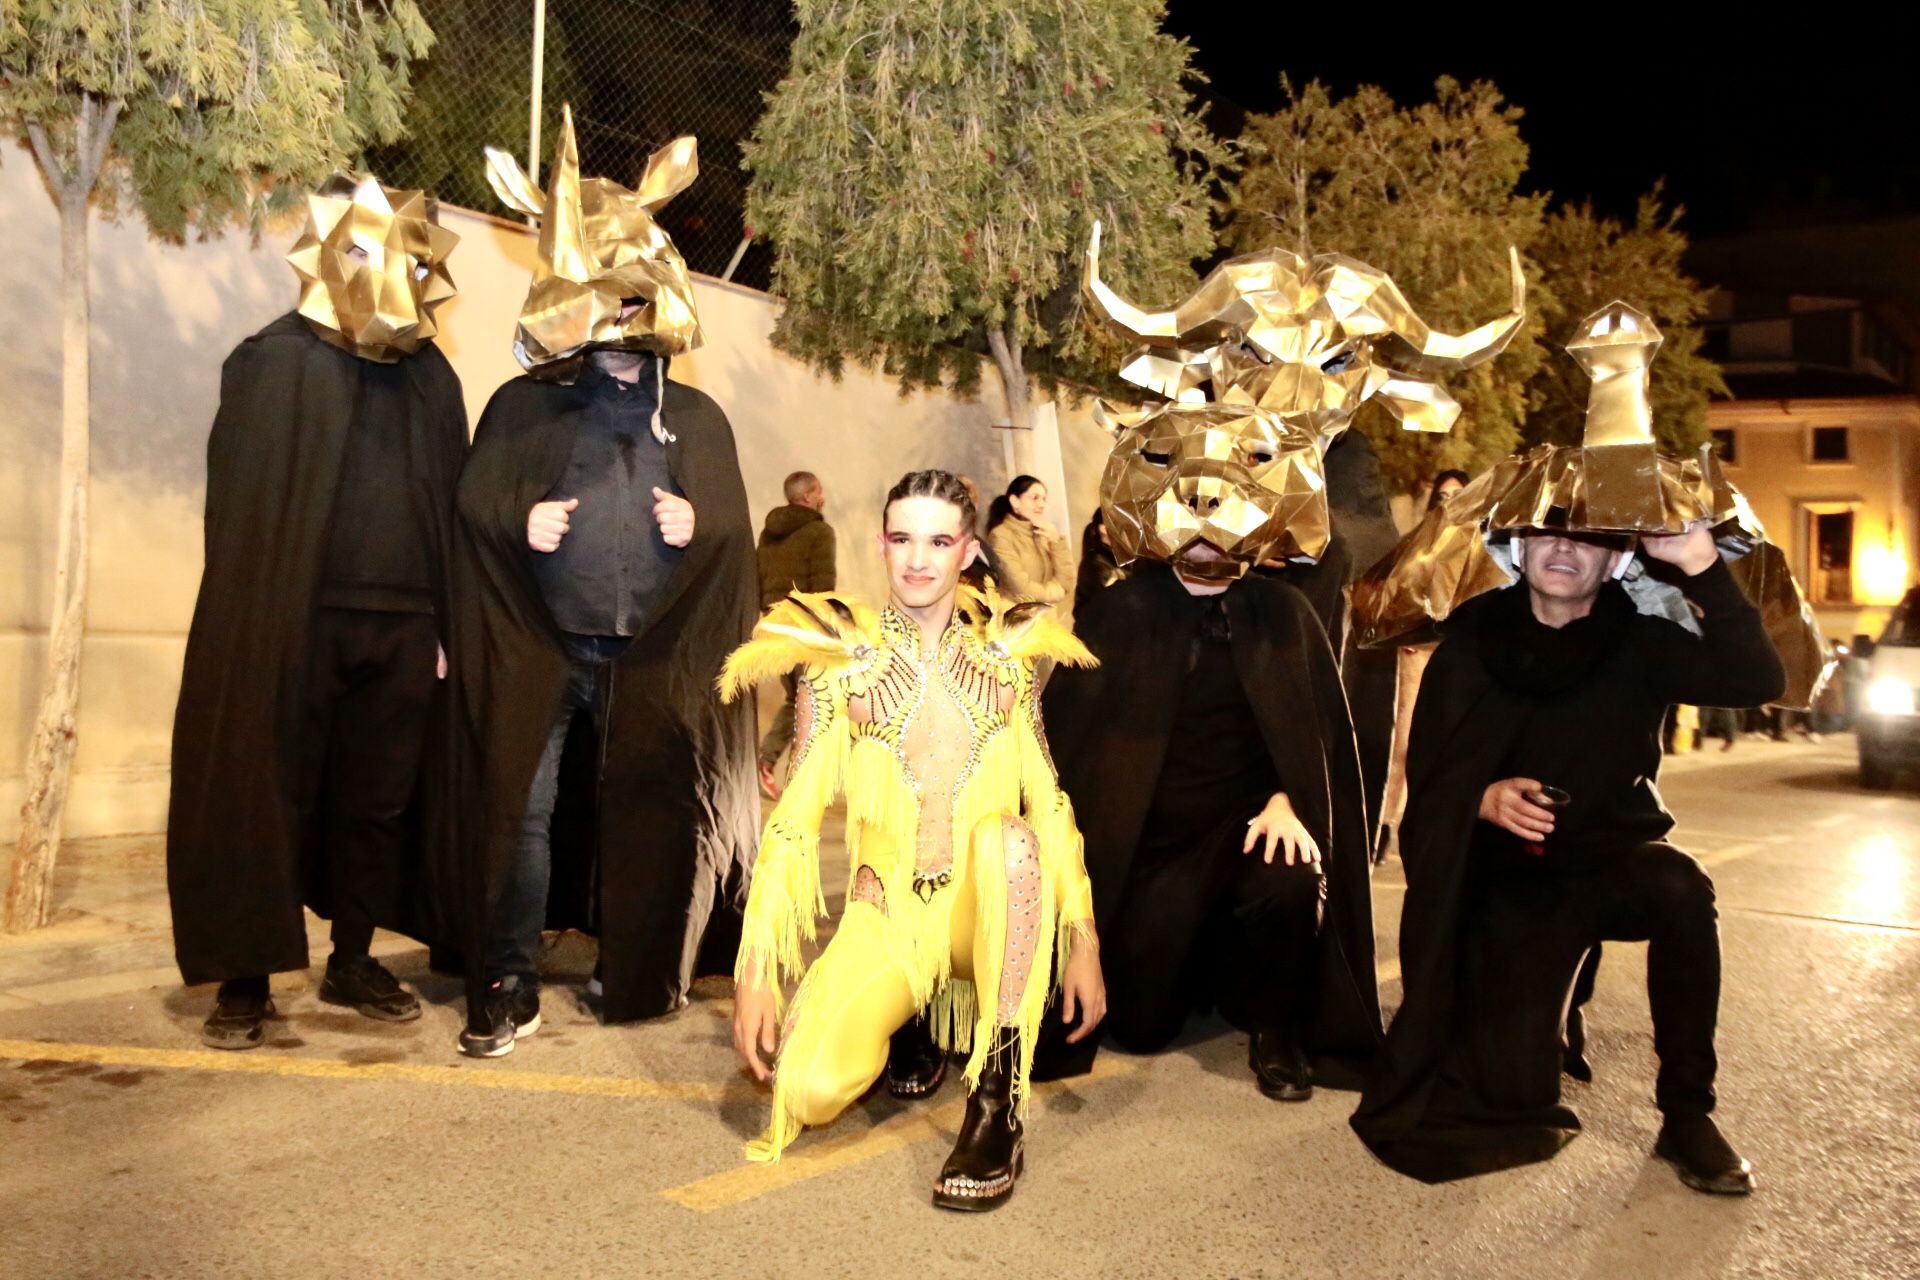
966	877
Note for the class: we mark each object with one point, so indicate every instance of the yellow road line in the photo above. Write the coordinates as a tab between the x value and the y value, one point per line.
256	1063
814	1158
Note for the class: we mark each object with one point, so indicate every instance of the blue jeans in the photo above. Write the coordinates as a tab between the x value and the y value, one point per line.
513	952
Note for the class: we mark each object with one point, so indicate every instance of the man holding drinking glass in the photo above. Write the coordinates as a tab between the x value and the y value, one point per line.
1534	831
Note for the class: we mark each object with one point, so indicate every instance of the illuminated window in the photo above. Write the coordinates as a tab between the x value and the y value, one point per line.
1832	557
1830	445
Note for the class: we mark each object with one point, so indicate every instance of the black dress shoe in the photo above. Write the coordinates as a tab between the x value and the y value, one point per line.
363	983
1706	1161
237	1020
1280	1067
989	1154
915	1064
1573	1049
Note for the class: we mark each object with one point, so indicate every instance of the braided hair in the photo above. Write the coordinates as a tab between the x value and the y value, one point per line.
943	485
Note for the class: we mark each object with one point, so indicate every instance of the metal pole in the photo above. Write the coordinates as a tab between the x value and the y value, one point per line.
533	98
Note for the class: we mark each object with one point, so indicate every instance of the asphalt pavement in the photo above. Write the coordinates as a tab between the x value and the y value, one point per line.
349	1148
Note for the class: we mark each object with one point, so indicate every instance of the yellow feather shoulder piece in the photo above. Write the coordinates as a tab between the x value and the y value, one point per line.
820	630
1026	631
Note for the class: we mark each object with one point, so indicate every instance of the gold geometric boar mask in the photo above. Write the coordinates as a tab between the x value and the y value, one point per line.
608	276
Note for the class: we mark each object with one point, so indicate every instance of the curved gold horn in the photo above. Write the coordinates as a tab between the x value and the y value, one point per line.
1436	352
1156	327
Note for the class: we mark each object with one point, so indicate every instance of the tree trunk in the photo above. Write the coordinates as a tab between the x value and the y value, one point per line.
1019	396
50	752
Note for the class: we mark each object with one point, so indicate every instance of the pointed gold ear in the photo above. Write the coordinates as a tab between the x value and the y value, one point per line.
511	183
670	170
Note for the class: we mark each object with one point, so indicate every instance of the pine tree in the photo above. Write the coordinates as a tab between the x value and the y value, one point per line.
1431	195
929	170
1593	260
192	113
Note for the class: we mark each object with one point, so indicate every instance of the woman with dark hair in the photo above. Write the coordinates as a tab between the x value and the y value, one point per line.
1098	569
1445	485
1032	558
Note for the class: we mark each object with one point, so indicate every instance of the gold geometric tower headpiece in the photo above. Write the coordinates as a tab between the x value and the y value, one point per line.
1618	479
600	252
372	262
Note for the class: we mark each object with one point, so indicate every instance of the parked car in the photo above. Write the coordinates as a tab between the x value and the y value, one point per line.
1889	727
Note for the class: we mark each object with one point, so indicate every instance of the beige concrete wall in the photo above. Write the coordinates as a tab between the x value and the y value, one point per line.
164	318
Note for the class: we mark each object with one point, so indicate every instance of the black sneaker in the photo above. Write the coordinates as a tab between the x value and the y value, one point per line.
489	1029
523	1006
237	1021
363	983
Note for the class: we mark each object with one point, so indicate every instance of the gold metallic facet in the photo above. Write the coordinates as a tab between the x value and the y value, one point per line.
1617	480
1265	365
599	250
372	262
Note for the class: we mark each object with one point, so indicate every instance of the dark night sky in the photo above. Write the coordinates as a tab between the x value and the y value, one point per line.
1750	125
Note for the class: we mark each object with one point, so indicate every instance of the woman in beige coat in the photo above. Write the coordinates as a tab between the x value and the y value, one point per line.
1031	557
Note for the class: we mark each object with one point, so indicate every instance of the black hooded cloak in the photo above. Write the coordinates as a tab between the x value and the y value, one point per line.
240	863
655	830
1469	1080
1111	727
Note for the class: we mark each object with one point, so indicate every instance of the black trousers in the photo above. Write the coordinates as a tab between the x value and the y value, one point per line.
370	683
1202	923
1530	925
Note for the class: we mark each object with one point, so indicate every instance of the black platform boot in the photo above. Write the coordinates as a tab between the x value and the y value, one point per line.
987	1157
915	1064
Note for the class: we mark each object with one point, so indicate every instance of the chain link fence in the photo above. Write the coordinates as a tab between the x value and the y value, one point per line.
637	74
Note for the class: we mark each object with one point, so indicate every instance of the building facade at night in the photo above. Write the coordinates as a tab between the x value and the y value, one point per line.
1823	436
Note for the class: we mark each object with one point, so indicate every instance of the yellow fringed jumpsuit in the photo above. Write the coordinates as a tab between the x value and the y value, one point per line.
966	881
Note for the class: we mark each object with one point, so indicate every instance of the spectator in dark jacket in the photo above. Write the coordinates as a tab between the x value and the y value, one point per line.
796	554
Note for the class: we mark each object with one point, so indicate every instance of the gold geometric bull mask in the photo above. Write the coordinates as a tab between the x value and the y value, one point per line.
1263	367
600	254
372	262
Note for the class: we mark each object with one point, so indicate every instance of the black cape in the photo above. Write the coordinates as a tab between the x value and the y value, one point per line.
239	864
1428	1111
1110	727
655	830
1361	531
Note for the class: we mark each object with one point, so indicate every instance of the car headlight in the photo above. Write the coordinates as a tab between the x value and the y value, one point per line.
1890	696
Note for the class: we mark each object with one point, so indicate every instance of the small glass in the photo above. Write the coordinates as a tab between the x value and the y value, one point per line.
1554	800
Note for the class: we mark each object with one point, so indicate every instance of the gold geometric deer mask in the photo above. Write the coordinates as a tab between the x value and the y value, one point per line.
600	254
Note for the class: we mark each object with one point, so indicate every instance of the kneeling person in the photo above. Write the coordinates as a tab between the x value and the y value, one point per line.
966	870
1557	684
1226	831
